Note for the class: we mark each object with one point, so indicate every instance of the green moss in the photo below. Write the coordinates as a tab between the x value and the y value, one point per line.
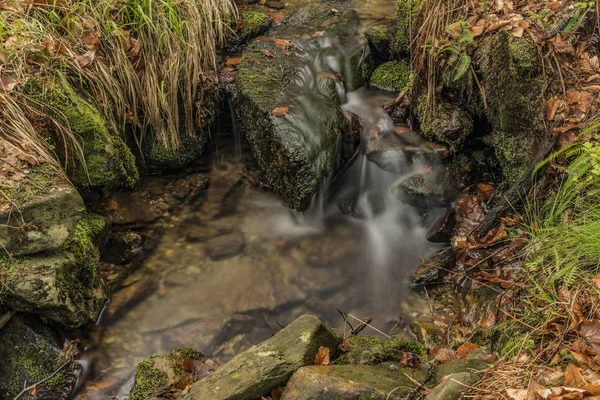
158	155
406	11
365	349
255	23
187	354
147	379
447	123
39	179
379	39
393	75
56	381
107	160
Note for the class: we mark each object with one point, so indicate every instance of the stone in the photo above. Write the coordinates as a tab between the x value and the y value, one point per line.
379	40
453	386
447	123
366	349
268	365
434	270
157	373
351	382
255	24
473	364
421	191
393	76
278	5
442	229
31	351
428	333
292	116
225	246
44	222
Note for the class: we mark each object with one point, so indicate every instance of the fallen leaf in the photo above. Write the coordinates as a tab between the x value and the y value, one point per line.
488	322
590	331
563	47
345	346
335	10
327	75
282	43
517	32
277	392
597	280
466	348
28	159
318	34
573	377
553	5
445	355
268	53
322	357
280	111
477	30
517	394
233	61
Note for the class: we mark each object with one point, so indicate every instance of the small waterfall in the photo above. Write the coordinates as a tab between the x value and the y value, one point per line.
237	136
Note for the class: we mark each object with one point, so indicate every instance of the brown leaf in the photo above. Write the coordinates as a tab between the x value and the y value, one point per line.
488	322
322	357
28	159
7	83
516	394
318	34
590	331
233	61
445	355
596	279
277	392
277	18
573	377
282	43
495	26
280	111
553	5
477	30
335	10
485	191
90	40
466	348
327	75
563	47
268	53
517	32
345	346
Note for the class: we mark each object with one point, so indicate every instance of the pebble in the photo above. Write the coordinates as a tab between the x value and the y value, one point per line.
278	5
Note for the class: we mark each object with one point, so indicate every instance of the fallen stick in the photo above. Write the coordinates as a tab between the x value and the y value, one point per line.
28	388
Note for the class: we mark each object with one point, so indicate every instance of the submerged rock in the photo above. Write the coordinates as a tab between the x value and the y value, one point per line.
156	373
63	286
351	382
268	365
366	349
46	219
30	351
288	102
225	246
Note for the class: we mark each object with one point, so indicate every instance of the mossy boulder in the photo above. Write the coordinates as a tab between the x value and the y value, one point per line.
160	156
254	24
269	365
427	333
159	372
30	351
288	98
366	349
446	123
351	382
64	285
379	40
406	11
393	76
514	86
46	214
107	161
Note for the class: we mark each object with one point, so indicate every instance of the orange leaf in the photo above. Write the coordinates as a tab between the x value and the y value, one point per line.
445	355
322	357
477	30
488	322
268	53
573	377
233	61
597	280
335	10
280	111
464	350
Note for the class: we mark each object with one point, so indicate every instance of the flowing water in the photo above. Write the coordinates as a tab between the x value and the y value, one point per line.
232	263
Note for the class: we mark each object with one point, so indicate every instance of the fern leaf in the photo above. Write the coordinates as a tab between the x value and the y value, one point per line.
463	67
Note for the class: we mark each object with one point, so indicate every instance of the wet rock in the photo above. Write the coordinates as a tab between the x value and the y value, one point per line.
392	75
421	191
64	286
453	386
255	24
161	372
480	302
472	365
428	333
291	114
379	40
443	227
435	269
122	247
278	5
252	1
366	349
269	365
448	123
44	223
30	351
406	11
225	246
351	382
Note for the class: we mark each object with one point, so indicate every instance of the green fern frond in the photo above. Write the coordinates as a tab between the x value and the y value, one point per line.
463	67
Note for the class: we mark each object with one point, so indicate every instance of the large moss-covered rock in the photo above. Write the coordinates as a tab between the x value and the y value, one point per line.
351	382
30	351
159	372
269	365
47	211
406	11
393	76
158	156
63	286
366	349
254	24
107	161
447	123
295	144
379	40
514	87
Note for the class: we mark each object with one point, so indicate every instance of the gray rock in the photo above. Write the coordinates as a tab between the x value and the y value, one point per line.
225	246
267	366
30	351
44	223
350	382
435	269
278	5
453	386
471	365
295	145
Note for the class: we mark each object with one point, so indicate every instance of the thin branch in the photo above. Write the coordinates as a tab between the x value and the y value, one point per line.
28	388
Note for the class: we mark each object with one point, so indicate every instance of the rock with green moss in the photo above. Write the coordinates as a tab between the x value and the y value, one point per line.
446	123
427	333
107	161
254	24
30	351
379	40
288	103
393	76
366	349
406	11
269	365
514	86
63	286
351	382
160	156
160	372
43	213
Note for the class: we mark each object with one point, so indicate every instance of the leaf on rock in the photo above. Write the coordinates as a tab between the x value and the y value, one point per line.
280	111
466	348
488	322
233	61
268	53
322	357
445	355
573	377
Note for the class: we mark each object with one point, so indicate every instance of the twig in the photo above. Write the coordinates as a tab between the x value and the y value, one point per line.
363	324
28	388
421	385
371	326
